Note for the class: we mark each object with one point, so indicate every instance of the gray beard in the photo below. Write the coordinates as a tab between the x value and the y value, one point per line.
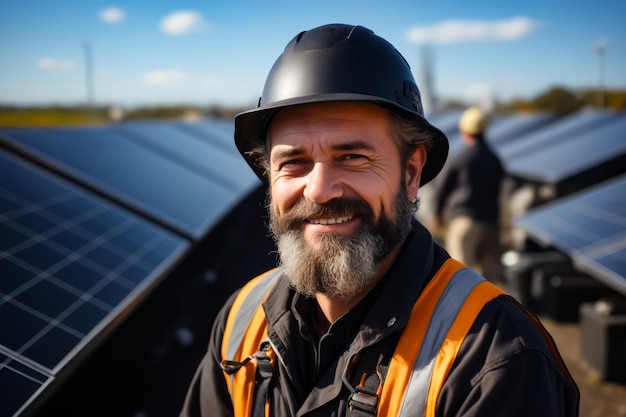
340	267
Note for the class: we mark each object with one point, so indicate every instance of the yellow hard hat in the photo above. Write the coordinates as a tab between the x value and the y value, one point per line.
473	121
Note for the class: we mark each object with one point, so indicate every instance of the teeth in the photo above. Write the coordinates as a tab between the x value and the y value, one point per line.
331	221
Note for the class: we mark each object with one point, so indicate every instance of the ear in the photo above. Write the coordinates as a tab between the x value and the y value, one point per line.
414	171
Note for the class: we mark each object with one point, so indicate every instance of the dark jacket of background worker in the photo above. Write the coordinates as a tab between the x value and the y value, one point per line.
467	199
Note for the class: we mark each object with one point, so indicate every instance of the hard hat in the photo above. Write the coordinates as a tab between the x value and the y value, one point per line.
473	121
338	63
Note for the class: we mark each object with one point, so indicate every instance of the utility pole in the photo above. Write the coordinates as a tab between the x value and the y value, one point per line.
89	78
600	48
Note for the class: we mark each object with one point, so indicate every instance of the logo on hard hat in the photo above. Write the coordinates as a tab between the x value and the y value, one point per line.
412	92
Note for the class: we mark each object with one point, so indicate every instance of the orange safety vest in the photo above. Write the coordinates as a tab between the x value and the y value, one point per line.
420	363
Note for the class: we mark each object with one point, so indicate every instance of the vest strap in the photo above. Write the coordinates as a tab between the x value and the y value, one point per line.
363	401
264	373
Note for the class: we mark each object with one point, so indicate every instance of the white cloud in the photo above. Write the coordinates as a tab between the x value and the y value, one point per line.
460	31
112	15
164	77
183	22
56	64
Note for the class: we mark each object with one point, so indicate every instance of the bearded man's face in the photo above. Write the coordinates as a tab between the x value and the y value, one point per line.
336	265
339	194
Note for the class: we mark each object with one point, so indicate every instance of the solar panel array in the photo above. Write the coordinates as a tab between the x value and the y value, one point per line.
579	151
554	159
590	227
159	170
559	131
508	129
91	220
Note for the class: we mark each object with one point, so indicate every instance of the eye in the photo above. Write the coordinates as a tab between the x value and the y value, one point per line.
294	166
291	162
352	156
353	159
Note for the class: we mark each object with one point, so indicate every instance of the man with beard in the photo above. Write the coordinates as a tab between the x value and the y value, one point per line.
365	314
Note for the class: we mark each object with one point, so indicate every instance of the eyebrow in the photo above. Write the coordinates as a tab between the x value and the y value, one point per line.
288	153
343	146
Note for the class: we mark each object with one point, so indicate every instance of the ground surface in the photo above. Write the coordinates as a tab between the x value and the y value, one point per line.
597	398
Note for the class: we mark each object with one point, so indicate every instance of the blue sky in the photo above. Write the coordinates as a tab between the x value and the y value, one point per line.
209	52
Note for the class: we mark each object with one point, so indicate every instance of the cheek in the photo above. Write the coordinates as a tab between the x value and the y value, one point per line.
380	190
284	194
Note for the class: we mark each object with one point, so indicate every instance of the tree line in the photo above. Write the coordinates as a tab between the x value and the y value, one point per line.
557	100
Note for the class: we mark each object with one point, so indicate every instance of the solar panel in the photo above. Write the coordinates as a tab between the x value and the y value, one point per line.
609	266
71	265
589	226
163	181
558	161
508	128
559	131
208	158
218	132
504	130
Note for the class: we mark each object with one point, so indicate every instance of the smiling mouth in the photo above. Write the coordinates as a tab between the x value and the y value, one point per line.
338	220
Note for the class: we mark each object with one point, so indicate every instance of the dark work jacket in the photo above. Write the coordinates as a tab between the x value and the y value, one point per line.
504	367
469	185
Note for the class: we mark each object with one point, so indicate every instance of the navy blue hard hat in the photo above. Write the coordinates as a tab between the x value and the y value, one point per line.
338	63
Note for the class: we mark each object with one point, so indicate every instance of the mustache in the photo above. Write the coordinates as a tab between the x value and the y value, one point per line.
305	209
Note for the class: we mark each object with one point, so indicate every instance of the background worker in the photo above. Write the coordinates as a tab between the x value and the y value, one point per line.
365	315
466	199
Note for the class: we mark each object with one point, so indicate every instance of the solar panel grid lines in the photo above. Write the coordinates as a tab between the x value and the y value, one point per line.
45	282
91	220
158	185
95	184
70	265
590	227
581	220
20	381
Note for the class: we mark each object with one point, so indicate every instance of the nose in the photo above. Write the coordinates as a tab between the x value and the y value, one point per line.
322	184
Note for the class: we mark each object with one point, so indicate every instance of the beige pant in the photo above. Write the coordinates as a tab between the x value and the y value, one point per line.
476	245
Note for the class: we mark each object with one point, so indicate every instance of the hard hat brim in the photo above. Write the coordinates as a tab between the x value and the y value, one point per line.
251	127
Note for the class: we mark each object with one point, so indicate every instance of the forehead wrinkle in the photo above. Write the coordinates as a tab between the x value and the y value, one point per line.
343	146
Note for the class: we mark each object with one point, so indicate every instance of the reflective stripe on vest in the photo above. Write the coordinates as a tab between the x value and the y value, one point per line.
424	354
245	329
249	306
453	299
